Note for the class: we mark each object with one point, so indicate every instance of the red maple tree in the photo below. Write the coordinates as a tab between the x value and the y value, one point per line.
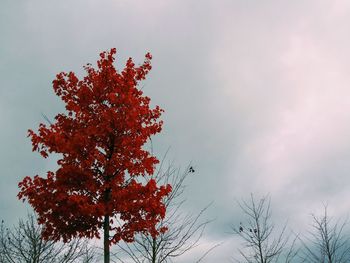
104	173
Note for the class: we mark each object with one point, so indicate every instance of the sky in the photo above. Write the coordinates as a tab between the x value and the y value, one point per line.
255	93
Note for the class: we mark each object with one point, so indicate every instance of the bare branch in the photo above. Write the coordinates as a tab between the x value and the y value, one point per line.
184	230
260	241
24	244
326	241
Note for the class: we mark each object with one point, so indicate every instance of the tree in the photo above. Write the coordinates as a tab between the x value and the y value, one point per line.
184	229
327	242
24	244
104	172
261	243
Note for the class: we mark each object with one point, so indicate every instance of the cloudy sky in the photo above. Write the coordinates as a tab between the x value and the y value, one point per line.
256	95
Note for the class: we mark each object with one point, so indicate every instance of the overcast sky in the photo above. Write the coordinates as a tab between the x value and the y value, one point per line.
256	95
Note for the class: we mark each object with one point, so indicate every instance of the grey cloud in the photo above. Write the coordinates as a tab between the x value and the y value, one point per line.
244	86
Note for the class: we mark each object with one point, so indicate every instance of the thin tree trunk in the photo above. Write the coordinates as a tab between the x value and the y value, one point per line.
106	250
154	250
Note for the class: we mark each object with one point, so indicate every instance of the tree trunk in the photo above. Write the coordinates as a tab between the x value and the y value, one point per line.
106	250
154	250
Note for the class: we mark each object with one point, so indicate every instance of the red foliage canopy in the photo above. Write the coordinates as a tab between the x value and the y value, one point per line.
101	142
